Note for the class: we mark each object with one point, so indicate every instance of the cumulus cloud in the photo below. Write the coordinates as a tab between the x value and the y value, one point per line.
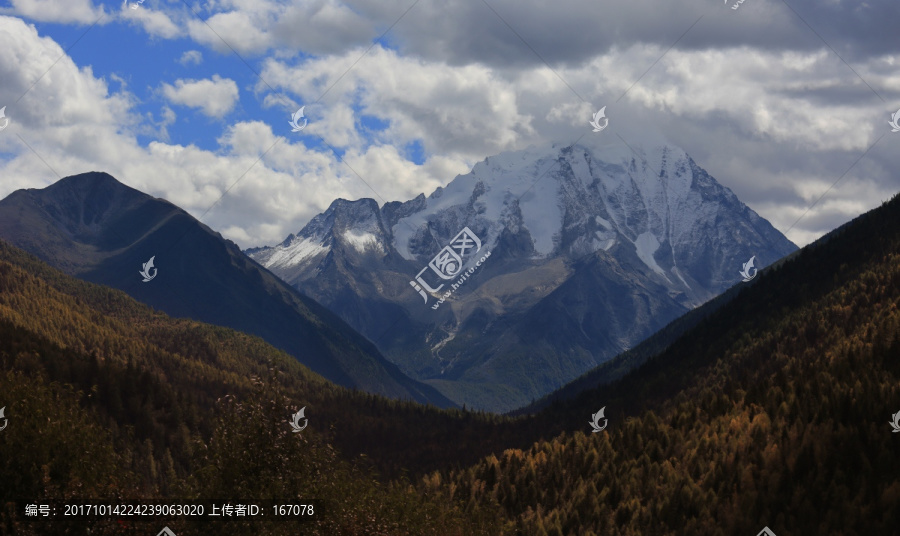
317	27
214	97
462	110
754	96
272	185
156	23
91	129
506	33
776	146
81	118
70	11
189	57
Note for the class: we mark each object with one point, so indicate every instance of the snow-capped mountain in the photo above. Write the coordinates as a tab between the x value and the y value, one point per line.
592	248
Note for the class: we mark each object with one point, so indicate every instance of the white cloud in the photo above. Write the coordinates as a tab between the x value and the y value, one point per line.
191	57
90	129
316	27
69	11
155	22
225	32
469	109
214	97
393	177
776	124
168	118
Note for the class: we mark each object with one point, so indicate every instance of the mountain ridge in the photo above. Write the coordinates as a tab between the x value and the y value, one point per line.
774	410
92	226
771	412
667	236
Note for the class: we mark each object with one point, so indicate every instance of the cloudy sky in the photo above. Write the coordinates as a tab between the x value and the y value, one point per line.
785	102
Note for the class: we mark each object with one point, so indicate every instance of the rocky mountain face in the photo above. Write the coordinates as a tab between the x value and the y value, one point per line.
534	267
96	228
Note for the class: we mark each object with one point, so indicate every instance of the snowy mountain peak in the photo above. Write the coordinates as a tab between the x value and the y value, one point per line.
353	224
574	200
559	200
593	247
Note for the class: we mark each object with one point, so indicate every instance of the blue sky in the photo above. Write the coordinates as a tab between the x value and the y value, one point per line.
189	106
141	65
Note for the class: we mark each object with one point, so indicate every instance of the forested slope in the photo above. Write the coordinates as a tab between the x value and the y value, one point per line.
107	399
772	412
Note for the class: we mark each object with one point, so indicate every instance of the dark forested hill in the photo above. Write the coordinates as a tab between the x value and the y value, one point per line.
774	411
96	228
106	398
